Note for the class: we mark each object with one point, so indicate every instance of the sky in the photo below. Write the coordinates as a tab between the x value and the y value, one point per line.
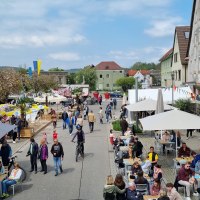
76	33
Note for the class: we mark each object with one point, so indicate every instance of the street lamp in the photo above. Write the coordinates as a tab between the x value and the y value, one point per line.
172	75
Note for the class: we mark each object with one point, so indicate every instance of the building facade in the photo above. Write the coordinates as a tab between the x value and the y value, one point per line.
166	69
107	75
60	76
179	61
194	48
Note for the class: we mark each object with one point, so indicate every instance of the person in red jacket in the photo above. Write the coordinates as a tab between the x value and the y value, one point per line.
185	178
55	135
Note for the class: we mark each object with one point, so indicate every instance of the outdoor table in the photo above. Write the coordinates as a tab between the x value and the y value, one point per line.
165	142
187	159
129	162
150	197
124	148
123	137
132	180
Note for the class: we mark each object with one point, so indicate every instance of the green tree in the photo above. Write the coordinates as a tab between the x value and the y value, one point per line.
71	78
144	65
125	83
184	105
56	69
10	83
87	76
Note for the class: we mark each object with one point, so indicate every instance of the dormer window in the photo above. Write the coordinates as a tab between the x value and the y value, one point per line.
107	67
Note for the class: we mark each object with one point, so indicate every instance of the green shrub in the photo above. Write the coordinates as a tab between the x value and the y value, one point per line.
116	125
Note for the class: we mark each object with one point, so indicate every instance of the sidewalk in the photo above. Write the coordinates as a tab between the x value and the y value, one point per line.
23	141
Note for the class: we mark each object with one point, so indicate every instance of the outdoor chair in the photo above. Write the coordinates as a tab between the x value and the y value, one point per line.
142	188
177	185
19	183
169	147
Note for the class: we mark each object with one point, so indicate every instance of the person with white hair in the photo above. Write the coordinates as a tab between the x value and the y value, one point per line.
131	193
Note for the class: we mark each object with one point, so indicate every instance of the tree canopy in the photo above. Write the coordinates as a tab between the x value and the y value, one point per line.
144	65
56	69
125	83
87	76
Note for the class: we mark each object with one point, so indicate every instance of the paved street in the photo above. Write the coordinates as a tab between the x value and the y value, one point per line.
81	180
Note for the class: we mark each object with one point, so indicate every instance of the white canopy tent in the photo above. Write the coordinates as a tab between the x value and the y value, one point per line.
179	93
56	99
148	105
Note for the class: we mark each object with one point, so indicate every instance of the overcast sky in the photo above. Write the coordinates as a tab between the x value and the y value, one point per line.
74	33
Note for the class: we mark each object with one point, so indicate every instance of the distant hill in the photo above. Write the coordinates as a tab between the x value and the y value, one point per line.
8	67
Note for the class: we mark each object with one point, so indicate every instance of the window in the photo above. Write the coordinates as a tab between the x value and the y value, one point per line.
107	76
187	34
100	76
59	80
176	57
107	67
179	75
107	85
120	71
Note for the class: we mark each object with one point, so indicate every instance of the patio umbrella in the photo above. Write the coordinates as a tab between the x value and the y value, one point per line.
171	120
124	99
5	128
160	104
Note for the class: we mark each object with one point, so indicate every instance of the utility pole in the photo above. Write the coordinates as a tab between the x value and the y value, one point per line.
172	75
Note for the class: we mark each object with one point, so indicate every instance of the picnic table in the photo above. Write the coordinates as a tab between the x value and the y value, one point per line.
132	180
129	162
124	148
124	137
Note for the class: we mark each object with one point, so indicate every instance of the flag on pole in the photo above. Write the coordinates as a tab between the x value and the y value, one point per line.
35	65
30	73
39	63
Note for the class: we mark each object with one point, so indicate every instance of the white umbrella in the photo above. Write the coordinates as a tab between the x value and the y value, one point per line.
160	104
171	120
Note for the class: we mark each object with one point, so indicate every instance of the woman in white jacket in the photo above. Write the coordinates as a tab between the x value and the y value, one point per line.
11	180
172	193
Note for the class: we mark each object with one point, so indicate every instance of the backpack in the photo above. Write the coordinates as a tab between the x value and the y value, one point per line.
109	196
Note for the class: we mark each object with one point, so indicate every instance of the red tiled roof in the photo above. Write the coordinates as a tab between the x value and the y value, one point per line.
132	72
166	55
109	65
182	42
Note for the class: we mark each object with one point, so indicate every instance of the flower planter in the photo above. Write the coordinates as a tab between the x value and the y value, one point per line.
27	133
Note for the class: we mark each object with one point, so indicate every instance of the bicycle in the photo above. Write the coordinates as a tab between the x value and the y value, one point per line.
79	150
11	166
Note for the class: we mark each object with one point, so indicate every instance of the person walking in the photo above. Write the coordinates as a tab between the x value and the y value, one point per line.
189	131
6	153
43	155
64	118
54	120
101	115
33	153
114	103
19	126
58	153
124	125
79	121
70	123
91	120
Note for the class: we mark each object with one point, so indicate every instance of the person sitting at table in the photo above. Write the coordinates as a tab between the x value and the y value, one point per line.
128	132
157	172
185	178
172	193
139	147
131	193
11	180
196	158
165	138
146	166
163	195
184	151
119	182
136	168
2	169
141	180
197	167
155	188
110	190
153	157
